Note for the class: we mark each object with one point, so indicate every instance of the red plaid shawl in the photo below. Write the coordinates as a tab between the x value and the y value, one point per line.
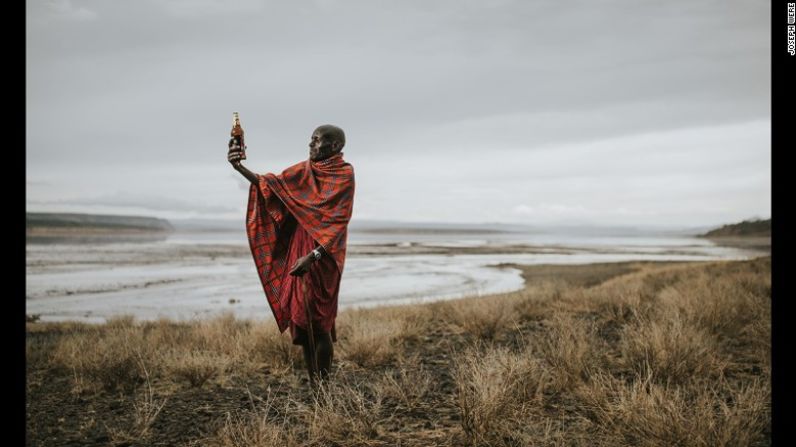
320	196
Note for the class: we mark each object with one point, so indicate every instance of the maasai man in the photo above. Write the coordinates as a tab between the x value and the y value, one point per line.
299	219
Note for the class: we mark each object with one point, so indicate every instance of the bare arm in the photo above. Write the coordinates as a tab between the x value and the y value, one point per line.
252	177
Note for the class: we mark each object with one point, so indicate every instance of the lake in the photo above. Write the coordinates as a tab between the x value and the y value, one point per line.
192	275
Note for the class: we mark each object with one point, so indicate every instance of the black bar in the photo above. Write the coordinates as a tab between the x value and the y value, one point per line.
783	102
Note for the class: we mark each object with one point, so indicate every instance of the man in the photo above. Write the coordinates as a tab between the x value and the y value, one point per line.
299	218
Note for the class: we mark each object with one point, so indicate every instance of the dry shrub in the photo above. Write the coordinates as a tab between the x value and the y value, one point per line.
275	349
496	388
253	431
410	383
145	410
439	311
416	321
196	367
38	350
570	347
645	284
645	413
532	303
124	321
619	308
367	340
656	279
627	298
670	350
759	335
194	352
572	300
483	318
344	412
223	334
267	426
724	303
245	347
229	340
166	333
732	302
106	358
341	412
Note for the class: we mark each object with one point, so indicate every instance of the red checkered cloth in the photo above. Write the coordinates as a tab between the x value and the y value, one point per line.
319	196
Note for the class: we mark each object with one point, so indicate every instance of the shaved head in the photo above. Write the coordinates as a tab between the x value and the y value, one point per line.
333	132
326	140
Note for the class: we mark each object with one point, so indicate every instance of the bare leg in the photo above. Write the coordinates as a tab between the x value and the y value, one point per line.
307	358
325	353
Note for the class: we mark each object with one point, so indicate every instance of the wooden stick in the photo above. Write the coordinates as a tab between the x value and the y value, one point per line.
310	333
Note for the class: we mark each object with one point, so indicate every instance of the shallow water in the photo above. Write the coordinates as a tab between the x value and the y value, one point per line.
195	275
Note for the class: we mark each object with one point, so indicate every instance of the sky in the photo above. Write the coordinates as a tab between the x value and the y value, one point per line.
630	112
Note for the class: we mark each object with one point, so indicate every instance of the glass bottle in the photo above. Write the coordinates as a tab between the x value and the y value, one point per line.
237	134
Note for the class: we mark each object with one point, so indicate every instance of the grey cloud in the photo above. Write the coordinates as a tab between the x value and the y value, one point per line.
55	10
155	82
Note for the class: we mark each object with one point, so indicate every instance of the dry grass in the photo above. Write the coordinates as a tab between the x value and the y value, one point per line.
105	358
533	303
344	411
570	347
496	389
197	367
219	350
410	383
267	425
670	350
644	413
145	409
268	347
253	431
367	339
483	318
611	355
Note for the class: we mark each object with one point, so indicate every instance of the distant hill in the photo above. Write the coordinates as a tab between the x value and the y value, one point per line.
74	222
747	228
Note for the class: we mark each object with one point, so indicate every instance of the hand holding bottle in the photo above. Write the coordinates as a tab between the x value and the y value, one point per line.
237	151
235	154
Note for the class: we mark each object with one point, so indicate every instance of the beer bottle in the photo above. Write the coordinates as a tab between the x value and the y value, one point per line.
237	134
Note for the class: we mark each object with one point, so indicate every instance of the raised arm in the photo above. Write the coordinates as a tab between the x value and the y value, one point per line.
233	156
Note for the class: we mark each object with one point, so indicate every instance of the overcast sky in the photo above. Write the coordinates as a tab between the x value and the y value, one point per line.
540	112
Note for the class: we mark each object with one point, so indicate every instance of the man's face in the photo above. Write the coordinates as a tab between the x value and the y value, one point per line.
321	146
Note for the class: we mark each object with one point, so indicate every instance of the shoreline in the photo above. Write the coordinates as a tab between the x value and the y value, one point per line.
91	283
530	274
180	249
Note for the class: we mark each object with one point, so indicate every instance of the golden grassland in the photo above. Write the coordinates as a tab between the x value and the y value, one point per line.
620	354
